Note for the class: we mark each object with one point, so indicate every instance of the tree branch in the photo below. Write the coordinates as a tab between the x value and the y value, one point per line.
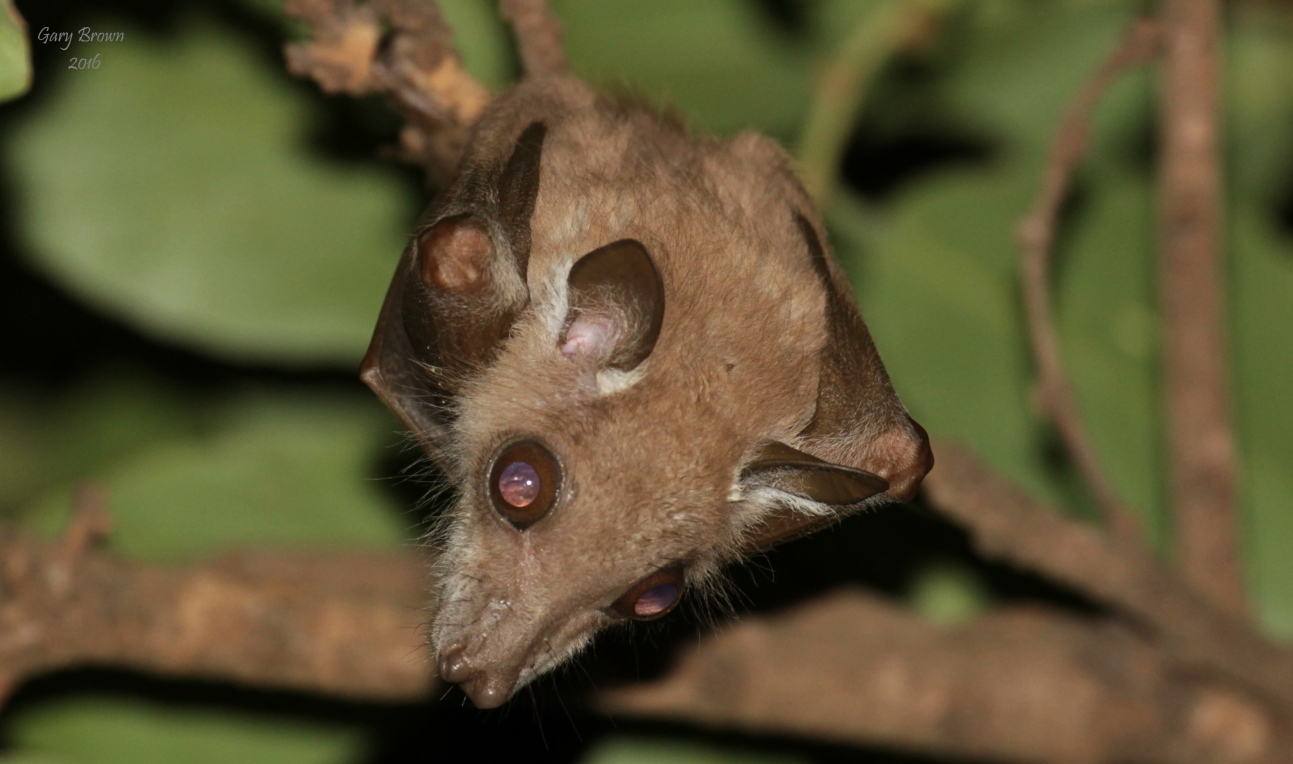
538	36
340	624
1022	685
1201	461
1037	234
1013	685
412	63
1009	525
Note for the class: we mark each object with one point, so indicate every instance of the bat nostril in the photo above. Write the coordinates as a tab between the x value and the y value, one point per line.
454	667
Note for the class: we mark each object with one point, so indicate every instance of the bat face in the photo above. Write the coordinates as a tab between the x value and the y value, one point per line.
633	356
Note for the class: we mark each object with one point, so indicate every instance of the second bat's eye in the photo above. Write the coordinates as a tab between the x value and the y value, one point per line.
524	483
653	596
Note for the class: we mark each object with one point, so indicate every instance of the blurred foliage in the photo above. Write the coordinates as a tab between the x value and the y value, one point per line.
199	216
198	203
268	468
628	750
112	730
15	53
947	593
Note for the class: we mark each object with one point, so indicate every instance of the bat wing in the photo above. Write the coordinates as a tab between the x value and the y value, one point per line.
860	442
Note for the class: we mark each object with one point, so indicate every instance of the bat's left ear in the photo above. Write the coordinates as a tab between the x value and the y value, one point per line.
804	492
859	420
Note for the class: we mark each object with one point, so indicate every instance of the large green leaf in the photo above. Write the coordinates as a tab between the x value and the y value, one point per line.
15	53
275	468
721	62
1259	95
1104	297
1013	65
100	729
1262	286
171	187
939	288
54	439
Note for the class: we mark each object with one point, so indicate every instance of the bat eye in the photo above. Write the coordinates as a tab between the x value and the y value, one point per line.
653	596
524	483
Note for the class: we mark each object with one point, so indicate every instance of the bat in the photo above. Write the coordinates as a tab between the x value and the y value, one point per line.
633	355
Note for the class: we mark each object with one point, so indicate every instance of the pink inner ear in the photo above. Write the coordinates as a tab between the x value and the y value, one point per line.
591	336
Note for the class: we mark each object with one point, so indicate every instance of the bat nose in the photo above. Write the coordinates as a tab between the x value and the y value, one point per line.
454	667
486	688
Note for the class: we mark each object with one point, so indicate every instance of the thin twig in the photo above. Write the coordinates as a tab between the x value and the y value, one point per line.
1201	451
538	36
844	83
1037	234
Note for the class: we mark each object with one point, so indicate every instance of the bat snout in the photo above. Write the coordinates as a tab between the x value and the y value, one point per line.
487	686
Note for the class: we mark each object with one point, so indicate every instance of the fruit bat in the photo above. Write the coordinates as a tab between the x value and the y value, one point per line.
631	352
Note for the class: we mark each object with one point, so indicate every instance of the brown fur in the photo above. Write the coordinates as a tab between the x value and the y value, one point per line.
760	342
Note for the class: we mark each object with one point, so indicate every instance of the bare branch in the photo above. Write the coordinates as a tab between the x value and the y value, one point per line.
339	624
538	36
413	64
1009	525
1012	685
1201	451
1017	686
1037	236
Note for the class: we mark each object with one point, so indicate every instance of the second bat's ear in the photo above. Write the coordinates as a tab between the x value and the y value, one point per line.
616	307
859	420
459	287
805	493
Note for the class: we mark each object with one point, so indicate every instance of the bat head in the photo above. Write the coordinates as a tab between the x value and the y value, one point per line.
630	352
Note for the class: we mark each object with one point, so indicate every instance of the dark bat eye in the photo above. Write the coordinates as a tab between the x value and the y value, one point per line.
653	596
524	483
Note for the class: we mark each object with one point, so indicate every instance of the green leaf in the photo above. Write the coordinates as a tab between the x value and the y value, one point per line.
720	62
634	750
1262	289
1107	327
171	188
50	440
15	53
938	289
103	729
483	40
1013	66
948	593
1259	95
276	469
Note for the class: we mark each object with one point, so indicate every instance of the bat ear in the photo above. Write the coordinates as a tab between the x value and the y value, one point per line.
859	420
806	492
616	306
458	289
